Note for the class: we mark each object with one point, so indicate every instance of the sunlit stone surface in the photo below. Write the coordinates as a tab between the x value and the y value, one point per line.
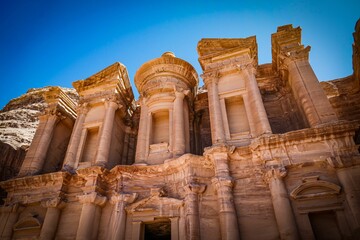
258	152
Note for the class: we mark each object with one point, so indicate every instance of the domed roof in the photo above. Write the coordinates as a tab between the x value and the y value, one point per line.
166	65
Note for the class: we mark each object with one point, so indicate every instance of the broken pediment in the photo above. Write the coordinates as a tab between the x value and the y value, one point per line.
312	187
165	206
113	74
208	46
31	221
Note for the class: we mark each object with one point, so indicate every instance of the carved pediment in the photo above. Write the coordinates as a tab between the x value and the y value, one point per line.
209	46
29	222
312	187
163	205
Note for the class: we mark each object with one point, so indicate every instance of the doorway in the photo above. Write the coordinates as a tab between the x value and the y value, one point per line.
324	225
159	229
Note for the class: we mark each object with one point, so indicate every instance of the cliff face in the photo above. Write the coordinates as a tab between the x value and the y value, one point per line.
18	123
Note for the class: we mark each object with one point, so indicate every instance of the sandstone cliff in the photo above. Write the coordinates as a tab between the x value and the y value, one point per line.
18	123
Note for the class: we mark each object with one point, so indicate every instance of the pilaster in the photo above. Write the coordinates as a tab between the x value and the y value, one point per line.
179	125
8	216
193	190
141	145
291	57
259	117
282	207
118	218
103	151
90	217
52	217
224	187
35	157
216	122
71	153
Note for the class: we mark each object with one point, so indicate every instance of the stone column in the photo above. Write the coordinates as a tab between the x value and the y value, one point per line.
227	212
174	228
351	189
52	217
216	122
282	207
103	151
179	125
141	145
9	216
192	210
259	117
308	92
88	221
125	149
224	186
137	231
70	157
118	218
36	155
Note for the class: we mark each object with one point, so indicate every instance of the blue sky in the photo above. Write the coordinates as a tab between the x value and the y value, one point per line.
53	43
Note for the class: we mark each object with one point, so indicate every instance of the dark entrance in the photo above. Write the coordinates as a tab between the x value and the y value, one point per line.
158	230
324	225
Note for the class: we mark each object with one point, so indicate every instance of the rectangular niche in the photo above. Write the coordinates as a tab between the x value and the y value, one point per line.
91	143
160	127
236	115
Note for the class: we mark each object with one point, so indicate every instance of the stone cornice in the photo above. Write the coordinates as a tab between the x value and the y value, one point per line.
216	53
58	101
32	189
286	44
94	179
165	169
329	131
114	83
38	181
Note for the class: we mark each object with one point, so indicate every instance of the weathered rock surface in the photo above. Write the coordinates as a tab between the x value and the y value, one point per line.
18	123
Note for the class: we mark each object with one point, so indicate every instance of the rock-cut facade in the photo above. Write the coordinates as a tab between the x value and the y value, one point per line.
259	152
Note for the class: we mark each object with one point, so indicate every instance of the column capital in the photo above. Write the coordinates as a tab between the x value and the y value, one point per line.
127	198
197	188
53	203
220	182
245	67
275	173
93	198
212	76
12	208
179	95
112	103
82	108
52	114
286	58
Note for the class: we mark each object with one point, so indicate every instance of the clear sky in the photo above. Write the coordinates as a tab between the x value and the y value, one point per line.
53	43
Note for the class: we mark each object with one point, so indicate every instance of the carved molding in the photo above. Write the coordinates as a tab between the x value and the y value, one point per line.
197	188
312	187
93	198
127	198
57	202
275	172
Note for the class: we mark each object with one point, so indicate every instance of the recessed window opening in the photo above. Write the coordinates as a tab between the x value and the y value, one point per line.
160	127
90	145
236	114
